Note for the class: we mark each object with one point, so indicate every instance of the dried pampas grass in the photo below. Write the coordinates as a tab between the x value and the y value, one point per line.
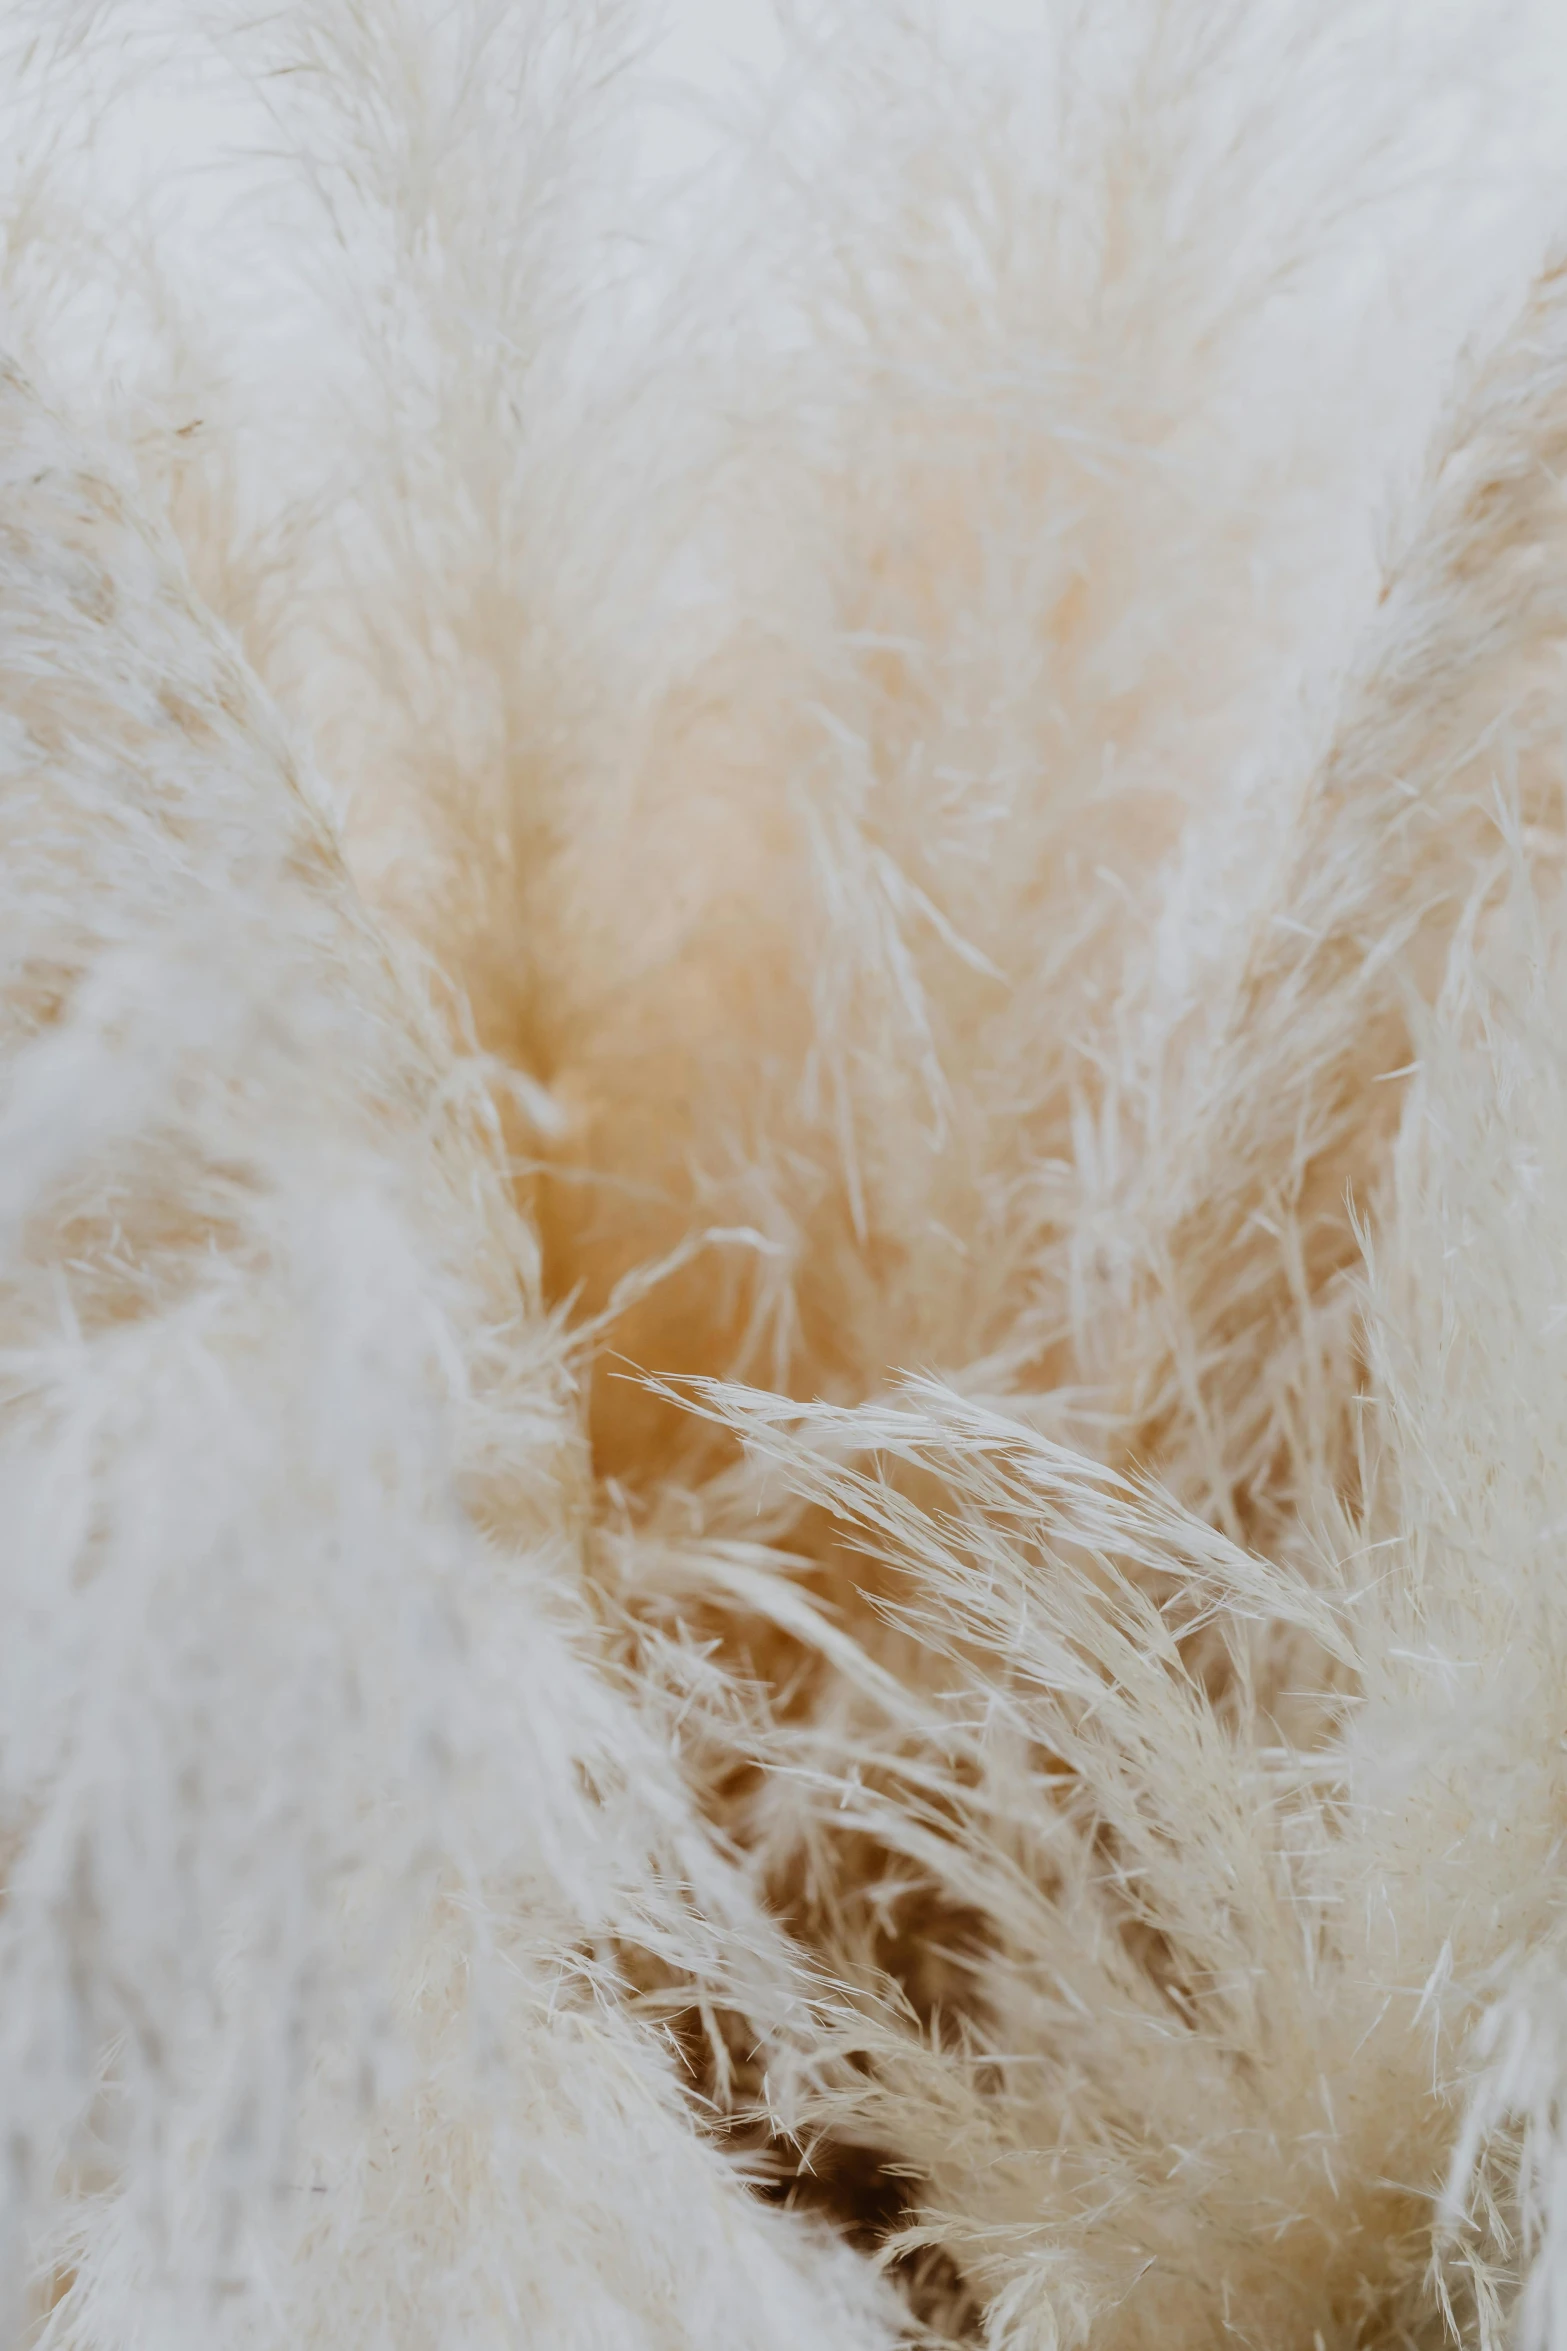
783	1210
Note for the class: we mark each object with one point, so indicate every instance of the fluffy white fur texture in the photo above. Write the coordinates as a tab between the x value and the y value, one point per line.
783	1183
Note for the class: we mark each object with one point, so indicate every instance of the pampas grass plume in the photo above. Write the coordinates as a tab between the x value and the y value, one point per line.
783	1181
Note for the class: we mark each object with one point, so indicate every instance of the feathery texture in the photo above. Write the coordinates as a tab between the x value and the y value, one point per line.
783	1182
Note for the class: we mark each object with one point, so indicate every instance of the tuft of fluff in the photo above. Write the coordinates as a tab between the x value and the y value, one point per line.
783	1183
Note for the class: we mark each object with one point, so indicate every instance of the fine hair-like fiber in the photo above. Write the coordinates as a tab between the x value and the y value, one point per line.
783	1180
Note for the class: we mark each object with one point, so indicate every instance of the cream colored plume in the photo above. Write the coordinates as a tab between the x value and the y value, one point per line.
783	1181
